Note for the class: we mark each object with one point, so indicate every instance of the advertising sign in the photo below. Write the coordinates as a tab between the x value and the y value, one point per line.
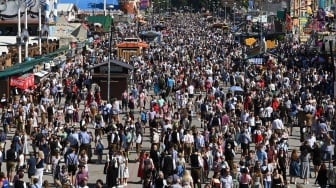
22	82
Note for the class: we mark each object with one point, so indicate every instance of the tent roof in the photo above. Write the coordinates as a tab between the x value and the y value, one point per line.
28	65
132	45
105	21
115	62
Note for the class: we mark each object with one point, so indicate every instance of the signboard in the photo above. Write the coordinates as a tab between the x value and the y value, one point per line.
113	69
63	30
22	82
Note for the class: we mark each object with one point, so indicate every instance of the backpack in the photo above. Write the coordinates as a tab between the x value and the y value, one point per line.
215	121
194	160
5	184
20	184
116	138
180	170
168	164
174	137
105	111
11	155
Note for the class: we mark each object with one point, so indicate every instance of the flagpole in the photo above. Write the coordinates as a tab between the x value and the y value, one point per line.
104	7
19	35
26	28
40	29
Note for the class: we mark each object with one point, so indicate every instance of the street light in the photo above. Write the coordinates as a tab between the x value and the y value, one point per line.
110	7
18	38
225	10
234	16
25	37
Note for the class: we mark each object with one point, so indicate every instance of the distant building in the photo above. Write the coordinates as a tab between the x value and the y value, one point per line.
68	10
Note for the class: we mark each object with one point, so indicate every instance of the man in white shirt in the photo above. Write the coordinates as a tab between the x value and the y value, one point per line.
188	141
226	179
268	114
191	90
277	125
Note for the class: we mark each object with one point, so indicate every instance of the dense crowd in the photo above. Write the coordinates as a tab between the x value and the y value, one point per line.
203	103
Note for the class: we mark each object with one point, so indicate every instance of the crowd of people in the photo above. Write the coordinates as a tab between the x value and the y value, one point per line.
206	108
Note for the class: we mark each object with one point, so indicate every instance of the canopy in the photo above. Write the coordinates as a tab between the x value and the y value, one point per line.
26	66
250	41
132	45
150	34
104	21
23	82
236	89
41	74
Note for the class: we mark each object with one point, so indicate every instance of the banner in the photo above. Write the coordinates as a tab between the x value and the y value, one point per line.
22	82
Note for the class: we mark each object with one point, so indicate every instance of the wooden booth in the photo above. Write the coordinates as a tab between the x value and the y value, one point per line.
128	49
119	72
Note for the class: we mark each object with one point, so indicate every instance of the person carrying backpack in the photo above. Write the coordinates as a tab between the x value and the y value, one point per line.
11	162
196	168
115	139
19	182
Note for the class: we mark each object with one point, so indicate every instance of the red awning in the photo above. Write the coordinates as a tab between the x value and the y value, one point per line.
22	82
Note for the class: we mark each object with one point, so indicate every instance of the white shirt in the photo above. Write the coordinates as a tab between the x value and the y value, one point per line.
277	124
188	139
227	181
269	111
311	140
138	139
191	89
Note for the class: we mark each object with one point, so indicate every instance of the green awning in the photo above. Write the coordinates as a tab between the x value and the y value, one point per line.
106	21
29	65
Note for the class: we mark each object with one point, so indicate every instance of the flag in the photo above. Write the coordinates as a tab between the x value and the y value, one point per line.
288	22
30	3
43	2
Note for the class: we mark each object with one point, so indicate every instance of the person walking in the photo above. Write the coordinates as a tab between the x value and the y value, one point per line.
39	168
304	160
322	176
294	166
11	162
85	142
31	166
72	162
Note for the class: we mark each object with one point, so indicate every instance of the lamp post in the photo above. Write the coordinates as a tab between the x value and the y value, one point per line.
234	16
25	37
25	33
40	28
332	64
109	57
225	10
152	15
18	38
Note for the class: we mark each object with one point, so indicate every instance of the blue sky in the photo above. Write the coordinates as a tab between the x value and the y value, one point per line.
89	4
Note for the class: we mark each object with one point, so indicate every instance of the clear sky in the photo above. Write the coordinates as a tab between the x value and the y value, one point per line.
90	4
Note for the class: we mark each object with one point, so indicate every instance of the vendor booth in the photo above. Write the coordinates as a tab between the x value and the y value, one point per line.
22	82
119	73
126	50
